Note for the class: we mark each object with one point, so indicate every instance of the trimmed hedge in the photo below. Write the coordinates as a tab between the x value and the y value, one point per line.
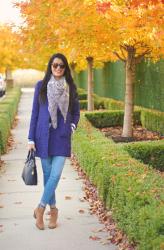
150	152
97	104
112	104
150	119
132	190
5	125
8	109
153	120
109	118
106	103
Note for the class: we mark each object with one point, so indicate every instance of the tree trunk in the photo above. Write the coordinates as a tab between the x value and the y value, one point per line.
90	84
129	95
9	79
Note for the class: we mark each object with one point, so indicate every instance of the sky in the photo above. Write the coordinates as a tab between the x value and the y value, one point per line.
8	13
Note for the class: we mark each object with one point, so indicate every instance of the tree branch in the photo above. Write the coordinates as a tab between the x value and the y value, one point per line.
122	59
124	47
121	47
139	58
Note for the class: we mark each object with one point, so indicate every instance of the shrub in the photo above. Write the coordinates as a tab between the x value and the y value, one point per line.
102	119
153	120
132	190
8	108
150	152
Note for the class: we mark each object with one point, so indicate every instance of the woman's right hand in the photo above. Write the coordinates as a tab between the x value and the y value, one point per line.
31	146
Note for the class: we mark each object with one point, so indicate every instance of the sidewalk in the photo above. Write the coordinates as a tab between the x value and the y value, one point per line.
17	202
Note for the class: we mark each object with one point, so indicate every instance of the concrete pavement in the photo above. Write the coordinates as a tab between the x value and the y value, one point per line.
17	201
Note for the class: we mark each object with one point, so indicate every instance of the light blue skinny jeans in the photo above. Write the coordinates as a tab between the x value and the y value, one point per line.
52	169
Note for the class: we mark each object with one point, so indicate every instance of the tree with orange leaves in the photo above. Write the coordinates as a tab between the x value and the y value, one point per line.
10	51
70	27
138	33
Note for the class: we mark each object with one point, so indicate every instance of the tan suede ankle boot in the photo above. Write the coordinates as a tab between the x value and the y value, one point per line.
38	215
53	218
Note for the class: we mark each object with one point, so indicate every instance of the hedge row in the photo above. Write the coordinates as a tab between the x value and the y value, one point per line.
110	118
97	104
150	119
100	102
8	108
132	190
149	152
153	120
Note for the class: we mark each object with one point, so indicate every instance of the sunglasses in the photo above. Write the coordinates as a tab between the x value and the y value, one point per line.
56	65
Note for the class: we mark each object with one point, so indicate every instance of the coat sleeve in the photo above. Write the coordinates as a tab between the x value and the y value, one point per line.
76	111
34	114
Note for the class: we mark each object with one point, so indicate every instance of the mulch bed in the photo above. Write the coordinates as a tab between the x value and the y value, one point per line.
139	134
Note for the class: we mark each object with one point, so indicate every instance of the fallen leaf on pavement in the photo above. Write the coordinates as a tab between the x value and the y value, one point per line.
104	241
18	202
68	197
81	211
82	199
109	237
94	237
78	178
1	206
98	230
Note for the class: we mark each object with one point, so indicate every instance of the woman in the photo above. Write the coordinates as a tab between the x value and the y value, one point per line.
55	115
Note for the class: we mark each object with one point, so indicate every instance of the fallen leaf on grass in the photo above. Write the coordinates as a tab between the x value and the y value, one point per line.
81	211
68	197
94	237
117	238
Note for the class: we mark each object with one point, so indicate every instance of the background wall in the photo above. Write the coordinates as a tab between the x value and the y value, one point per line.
109	82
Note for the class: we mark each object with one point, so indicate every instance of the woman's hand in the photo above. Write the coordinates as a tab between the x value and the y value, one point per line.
31	146
73	127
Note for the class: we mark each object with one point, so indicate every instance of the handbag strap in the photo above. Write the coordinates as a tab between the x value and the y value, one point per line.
31	155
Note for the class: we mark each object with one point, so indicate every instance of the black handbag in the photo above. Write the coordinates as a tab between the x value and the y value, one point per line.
29	173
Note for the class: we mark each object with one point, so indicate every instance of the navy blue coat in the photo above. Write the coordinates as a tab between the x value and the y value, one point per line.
50	141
